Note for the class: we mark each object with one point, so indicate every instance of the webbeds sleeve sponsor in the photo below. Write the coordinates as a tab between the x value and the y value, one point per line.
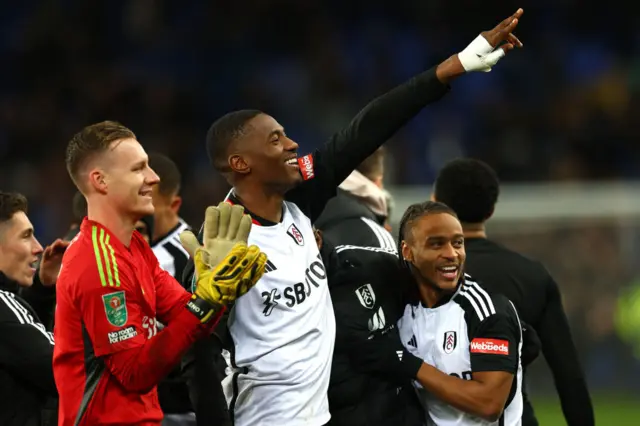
489	346
306	167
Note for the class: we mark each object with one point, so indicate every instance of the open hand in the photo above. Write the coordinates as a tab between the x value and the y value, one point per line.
491	46
51	261
503	32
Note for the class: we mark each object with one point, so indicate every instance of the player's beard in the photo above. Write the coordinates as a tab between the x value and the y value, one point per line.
423	280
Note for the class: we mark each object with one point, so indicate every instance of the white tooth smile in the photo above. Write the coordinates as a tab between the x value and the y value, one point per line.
292	161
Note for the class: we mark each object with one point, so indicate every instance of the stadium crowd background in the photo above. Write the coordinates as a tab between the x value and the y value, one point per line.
561	109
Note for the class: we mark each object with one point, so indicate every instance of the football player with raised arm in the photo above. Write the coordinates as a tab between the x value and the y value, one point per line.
279	338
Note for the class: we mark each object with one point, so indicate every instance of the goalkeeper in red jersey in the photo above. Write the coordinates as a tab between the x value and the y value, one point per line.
109	355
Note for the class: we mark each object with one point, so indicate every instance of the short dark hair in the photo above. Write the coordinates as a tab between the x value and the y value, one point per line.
470	187
373	166
92	140
168	172
10	204
224	132
416	211
79	207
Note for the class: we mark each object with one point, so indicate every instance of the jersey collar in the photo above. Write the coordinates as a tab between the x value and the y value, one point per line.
8	284
87	227
446	299
257	220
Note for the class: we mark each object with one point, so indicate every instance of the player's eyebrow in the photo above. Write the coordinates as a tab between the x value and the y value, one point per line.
278	132
138	164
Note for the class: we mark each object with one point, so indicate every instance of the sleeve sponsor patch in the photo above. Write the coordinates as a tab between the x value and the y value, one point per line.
489	346
306	167
115	306
122	335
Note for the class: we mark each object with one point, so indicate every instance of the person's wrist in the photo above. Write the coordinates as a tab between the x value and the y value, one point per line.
449	69
201	308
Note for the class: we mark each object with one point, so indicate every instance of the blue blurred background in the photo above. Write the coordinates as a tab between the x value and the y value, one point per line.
561	109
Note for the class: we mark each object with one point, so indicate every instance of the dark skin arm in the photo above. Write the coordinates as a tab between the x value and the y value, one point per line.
452	68
485	395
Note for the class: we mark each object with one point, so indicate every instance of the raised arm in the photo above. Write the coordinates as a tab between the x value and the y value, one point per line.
384	116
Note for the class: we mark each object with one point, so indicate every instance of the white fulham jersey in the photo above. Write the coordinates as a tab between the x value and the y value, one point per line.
471	332
283	332
170	253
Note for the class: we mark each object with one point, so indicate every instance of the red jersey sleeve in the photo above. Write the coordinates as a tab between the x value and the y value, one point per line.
170	295
106	297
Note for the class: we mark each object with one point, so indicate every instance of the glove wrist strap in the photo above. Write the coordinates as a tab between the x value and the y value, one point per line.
200	308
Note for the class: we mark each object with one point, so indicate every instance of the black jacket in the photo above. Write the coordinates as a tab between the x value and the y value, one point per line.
537	299
27	387
370	384
347	221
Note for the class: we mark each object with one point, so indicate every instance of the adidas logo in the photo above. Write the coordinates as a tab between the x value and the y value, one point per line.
413	342
269	266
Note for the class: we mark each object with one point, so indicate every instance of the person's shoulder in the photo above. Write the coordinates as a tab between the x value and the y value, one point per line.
92	261
486	247
366	255
357	259
481	304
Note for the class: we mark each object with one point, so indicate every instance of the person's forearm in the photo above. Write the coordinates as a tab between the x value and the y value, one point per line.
142	368
450	69
379	120
469	396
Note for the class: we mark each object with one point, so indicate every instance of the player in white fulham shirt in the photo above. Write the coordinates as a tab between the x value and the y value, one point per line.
281	335
167	224
470	341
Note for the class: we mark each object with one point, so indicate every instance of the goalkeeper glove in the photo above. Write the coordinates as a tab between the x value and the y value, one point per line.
225	268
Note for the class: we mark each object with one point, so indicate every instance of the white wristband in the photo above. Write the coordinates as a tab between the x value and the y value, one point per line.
480	55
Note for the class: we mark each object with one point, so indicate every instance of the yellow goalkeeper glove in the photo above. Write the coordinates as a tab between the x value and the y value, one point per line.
225	268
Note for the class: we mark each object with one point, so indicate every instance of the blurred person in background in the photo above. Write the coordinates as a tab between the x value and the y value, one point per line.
471	187
279	339
167	224
165	243
27	387
357	215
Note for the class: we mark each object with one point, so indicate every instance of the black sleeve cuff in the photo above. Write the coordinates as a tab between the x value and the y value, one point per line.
200	308
410	364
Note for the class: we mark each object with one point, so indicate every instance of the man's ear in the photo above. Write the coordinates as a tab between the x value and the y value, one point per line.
238	164
406	252
98	180
175	204
433	196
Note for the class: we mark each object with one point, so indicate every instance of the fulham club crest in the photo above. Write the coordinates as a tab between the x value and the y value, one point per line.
366	296
295	233
450	341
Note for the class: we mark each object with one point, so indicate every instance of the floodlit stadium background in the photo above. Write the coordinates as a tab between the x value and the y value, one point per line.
558	120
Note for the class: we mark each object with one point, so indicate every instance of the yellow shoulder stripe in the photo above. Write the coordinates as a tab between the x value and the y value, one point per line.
105	258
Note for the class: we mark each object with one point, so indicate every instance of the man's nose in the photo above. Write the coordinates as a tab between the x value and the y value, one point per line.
291	145
450	252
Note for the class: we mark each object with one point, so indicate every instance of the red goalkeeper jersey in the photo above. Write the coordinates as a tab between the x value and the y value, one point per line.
107	357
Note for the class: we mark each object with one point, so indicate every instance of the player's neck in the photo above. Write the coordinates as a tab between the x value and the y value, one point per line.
431	296
120	226
474	230
266	205
163	224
